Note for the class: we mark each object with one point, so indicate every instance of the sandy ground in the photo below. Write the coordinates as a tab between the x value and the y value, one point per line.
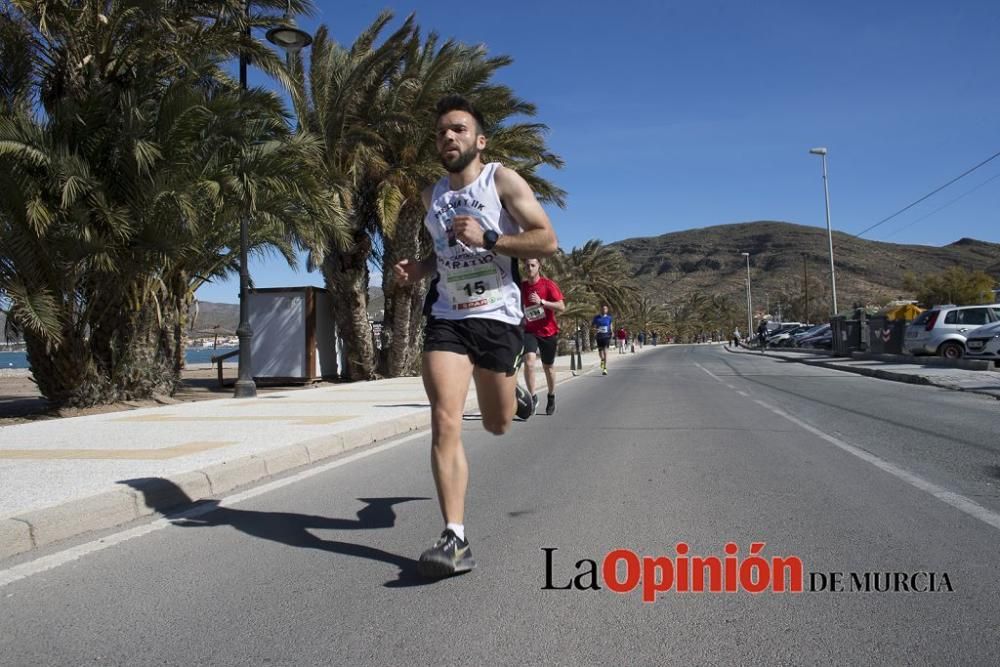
20	400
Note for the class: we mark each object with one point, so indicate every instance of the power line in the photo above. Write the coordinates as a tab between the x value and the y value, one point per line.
929	194
941	208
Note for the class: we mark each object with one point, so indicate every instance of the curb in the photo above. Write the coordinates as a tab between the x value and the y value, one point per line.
141	498
875	372
962	364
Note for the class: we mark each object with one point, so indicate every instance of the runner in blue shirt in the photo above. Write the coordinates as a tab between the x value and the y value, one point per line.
602	331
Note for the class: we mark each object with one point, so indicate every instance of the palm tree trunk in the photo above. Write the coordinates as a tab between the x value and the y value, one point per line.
65	373
401	329
134	350
125	357
346	275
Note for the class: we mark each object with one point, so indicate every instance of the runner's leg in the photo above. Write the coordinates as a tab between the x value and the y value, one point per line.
550	378
497	401
446	379
529	371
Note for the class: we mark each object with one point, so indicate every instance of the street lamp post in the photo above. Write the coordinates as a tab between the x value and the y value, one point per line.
292	40
829	232
805	289
749	303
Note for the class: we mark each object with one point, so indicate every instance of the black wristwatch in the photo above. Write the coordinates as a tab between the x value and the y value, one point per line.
490	239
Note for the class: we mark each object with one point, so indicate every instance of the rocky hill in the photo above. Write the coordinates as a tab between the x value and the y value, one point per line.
671	267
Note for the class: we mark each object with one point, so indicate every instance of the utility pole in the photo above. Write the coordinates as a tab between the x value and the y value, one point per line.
805	288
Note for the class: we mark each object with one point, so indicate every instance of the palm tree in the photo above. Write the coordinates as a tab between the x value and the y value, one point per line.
603	271
643	314
125	189
342	106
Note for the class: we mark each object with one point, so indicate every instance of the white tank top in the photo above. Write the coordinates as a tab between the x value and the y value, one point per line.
472	282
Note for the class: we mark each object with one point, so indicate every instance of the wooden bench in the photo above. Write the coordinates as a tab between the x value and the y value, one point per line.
218	361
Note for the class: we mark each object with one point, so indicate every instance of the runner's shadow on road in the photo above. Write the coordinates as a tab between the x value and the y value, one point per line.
284	527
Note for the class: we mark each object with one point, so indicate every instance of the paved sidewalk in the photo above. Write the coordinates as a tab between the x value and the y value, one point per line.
65	477
931	371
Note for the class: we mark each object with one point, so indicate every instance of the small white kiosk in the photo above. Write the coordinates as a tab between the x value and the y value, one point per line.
294	335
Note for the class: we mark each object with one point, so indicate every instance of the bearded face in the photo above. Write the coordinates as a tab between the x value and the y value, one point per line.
456	160
459	140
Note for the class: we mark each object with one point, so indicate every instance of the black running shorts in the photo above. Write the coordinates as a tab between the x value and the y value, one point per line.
603	342
544	347
492	345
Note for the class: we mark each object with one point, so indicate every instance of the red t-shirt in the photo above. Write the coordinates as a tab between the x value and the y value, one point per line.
538	320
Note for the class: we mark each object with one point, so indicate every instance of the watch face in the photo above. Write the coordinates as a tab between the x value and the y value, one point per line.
490	239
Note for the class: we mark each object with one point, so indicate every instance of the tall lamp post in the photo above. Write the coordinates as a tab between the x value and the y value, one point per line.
292	40
749	304
805	289
829	232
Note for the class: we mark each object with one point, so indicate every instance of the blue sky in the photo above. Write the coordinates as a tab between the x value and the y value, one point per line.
676	115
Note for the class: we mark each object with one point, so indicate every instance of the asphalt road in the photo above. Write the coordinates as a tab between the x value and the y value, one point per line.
681	444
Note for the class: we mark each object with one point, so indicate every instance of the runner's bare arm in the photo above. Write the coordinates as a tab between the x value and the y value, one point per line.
537	238
558	306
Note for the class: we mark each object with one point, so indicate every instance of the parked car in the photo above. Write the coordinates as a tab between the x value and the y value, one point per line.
984	343
818	330
822	339
941	330
784	338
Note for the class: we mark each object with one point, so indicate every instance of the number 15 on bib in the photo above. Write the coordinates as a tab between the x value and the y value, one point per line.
473	287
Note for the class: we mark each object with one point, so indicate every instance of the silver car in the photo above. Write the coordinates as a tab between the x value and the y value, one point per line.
984	343
941	330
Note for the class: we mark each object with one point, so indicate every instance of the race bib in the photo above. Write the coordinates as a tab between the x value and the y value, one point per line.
603	330
534	312
474	287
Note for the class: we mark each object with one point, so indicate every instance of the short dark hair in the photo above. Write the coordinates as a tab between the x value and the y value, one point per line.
459	103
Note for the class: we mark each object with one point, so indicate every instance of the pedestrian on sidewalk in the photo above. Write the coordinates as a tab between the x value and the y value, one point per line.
736	337
541	299
762	334
480	217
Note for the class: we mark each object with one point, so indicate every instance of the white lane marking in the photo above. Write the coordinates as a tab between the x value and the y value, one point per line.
742	393
712	375
956	500
45	563
716	377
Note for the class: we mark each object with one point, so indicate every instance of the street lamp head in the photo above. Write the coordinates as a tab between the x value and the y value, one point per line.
289	38
745	254
818	151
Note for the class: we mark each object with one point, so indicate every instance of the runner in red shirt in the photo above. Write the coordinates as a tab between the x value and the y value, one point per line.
541	299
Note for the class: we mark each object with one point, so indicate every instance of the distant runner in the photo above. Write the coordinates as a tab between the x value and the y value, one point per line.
541	299
602	332
479	216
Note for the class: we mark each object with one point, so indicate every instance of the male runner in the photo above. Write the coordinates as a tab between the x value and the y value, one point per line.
602	331
479	216
541	299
